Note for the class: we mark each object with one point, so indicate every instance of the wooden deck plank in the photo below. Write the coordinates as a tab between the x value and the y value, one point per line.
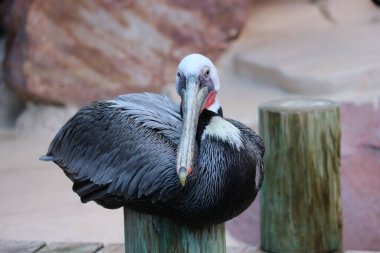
64	247
14	246
361	251
244	249
113	248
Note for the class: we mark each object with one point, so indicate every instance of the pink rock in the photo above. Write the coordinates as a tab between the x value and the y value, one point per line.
361	176
73	52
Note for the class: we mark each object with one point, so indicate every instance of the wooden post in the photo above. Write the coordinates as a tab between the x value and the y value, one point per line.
153	234
300	197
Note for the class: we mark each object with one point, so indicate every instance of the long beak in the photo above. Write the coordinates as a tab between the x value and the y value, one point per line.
193	99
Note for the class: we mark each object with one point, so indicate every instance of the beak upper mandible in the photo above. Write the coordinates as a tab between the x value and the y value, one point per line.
193	99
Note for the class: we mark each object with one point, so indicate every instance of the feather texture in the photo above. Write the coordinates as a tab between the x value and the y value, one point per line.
106	148
123	152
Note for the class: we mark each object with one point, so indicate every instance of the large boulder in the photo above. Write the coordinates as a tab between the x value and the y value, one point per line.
315	62
327	49
73	52
349	12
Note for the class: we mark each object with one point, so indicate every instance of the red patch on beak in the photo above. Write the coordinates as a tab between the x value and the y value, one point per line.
210	99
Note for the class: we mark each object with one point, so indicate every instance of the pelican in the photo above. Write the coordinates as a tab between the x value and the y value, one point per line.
186	162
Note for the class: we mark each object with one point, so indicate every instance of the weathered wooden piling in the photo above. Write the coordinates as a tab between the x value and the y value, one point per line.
300	197
153	234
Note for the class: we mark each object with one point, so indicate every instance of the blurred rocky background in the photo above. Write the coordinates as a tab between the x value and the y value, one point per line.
59	55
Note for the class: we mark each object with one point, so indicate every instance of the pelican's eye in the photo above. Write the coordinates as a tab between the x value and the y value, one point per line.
207	73
180	82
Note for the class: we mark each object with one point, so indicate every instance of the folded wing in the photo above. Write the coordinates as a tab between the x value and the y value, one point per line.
122	150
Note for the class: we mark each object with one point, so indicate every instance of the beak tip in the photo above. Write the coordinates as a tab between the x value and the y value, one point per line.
183	182
182	173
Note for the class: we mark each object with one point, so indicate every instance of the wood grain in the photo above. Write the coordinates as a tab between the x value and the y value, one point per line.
300	197
153	234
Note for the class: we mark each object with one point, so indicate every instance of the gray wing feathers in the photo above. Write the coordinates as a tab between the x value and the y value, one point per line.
152	111
124	147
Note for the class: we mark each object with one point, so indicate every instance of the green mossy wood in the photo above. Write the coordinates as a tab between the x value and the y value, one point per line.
300	197
154	234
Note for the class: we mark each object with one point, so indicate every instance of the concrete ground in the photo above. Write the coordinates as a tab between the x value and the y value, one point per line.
36	200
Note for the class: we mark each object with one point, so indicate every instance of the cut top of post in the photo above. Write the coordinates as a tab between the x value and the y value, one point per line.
297	105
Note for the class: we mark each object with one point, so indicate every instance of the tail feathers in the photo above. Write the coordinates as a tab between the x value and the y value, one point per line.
88	190
47	158
111	202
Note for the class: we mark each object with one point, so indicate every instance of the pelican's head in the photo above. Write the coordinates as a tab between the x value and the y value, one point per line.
199	68
197	83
